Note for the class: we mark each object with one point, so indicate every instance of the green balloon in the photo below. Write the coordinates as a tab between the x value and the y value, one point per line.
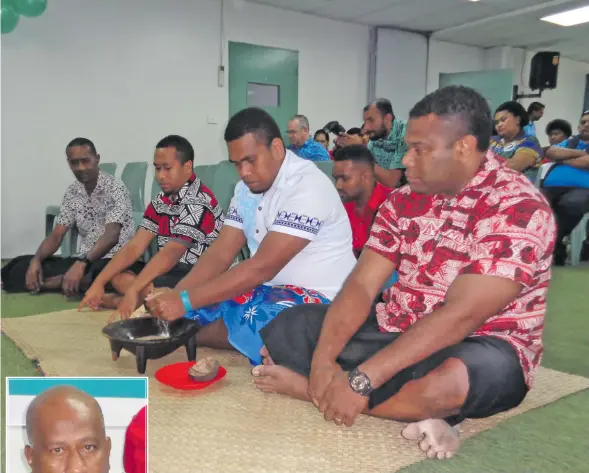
9	18
30	7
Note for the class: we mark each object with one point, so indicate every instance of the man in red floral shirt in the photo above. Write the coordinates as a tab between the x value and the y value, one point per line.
460	335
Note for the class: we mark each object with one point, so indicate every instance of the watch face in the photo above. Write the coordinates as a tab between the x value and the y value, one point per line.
359	383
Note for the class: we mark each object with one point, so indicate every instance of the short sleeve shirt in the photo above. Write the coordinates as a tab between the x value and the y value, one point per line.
312	151
388	152
194	219
302	202
362	223
499	225
522	143
109	202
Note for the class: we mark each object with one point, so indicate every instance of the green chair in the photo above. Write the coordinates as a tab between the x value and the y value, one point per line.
576	239
205	172
109	168
133	176
224	181
326	167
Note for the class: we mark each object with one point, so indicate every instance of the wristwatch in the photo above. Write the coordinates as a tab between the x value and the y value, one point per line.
83	257
359	382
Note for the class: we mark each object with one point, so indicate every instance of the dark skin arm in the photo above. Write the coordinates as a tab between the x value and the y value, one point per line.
580	163
470	301
109	239
48	247
275	252
556	153
521	160
163	261
216	260
388	177
124	258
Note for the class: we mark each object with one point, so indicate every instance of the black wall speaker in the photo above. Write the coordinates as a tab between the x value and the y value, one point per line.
544	70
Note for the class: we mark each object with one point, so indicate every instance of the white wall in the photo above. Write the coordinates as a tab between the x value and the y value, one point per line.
448	58
125	74
402	62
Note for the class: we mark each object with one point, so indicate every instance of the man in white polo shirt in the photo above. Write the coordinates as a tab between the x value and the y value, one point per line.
297	231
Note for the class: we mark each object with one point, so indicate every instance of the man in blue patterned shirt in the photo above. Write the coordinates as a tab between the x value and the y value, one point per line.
387	141
301	142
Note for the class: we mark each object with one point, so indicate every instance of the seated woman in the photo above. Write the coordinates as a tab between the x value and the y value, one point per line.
322	137
511	142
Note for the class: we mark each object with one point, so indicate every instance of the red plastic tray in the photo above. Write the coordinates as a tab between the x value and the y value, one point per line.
176	376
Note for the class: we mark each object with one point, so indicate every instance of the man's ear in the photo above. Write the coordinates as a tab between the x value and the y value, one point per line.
97	158
29	455
188	166
466	146
277	148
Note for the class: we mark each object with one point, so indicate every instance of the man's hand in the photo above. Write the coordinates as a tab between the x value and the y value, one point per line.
93	297
167	306
128	305
340	403
322	374
341	140
34	276
71	279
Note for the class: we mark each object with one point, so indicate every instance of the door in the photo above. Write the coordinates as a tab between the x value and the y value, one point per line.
264	77
495	85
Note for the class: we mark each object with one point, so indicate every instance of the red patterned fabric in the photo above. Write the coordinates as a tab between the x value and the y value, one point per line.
499	225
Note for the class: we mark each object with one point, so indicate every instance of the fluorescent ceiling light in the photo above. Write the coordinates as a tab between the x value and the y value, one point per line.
569	18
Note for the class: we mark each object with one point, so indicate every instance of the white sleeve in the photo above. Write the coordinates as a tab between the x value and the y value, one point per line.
233	218
302	210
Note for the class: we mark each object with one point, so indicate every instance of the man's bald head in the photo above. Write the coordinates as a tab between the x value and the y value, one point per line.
66	431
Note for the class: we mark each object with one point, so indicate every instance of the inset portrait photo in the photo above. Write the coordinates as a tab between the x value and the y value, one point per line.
90	425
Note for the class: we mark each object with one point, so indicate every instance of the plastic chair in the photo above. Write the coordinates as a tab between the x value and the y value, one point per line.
133	176
206	173
109	168
326	167
577	237
225	178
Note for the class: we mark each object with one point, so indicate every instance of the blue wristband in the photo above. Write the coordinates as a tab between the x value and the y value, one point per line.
186	301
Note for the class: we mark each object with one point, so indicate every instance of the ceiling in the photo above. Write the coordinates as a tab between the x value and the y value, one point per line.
487	23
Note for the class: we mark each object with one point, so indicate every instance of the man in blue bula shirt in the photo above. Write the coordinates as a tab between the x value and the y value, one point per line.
301	142
566	186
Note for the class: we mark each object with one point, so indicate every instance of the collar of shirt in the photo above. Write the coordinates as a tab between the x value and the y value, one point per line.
96	192
166	198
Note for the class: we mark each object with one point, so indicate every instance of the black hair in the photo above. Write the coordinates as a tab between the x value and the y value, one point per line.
252	120
383	106
517	110
356	153
354	131
462	103
586	112
82	142
321	132
561	125
535	107
184	150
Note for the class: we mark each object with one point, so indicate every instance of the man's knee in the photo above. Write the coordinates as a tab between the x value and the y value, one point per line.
445	388
576	201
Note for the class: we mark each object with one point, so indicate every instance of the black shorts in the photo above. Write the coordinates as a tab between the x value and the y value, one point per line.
170	279
496	380
14	273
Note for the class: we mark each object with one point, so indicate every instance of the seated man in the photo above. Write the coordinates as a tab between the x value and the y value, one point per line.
566	186
185	217
301	142
99	206
353	171
297	231
460	334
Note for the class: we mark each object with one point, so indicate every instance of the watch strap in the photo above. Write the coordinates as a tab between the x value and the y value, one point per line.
359	382
186	301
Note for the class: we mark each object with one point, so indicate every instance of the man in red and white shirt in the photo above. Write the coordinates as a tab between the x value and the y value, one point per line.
361	193
460	335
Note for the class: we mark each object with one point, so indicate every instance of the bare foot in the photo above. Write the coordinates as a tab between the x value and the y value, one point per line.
265	354
110	301
435	437
280	380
